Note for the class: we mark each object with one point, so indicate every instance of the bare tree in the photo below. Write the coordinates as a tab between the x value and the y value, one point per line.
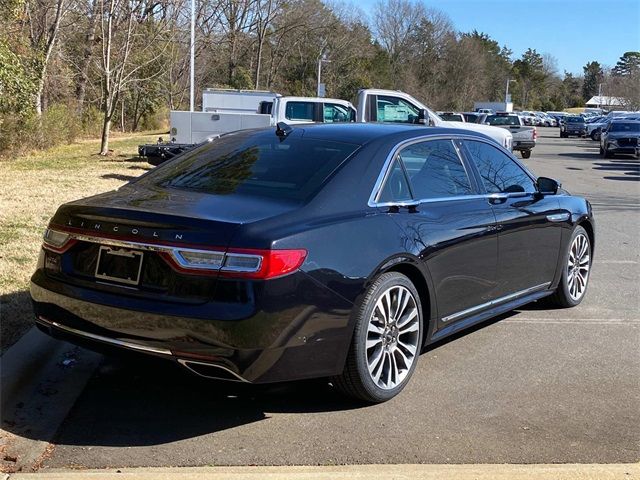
43	33
126	26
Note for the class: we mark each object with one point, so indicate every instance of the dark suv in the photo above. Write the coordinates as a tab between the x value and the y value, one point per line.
620	137
573	125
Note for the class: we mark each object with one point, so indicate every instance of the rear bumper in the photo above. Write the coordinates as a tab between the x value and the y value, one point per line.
275	342
523	145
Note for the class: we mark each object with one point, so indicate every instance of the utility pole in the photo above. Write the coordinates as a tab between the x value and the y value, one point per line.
320	92
192	98
506	93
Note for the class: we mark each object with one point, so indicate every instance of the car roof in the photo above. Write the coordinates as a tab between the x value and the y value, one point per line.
363	133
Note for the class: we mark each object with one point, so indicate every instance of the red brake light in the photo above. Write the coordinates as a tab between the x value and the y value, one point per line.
273	263
236	263
535	133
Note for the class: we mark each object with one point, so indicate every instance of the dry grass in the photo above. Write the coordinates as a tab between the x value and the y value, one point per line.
31	188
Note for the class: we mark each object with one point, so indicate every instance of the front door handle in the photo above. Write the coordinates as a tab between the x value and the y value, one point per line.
496	198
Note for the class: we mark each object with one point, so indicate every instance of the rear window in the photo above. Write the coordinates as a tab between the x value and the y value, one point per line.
625	127
258	164
575	120
502	120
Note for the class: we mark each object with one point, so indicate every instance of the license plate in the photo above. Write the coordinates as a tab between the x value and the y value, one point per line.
119	265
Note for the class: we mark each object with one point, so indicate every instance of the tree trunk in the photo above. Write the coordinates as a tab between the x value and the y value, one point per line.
106	130
49	44
259	61
81	88
39	93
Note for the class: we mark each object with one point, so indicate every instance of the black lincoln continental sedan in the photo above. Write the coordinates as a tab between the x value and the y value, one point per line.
334	251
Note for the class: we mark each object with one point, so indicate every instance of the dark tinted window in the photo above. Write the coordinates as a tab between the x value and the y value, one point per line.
396	188
625	127
574	120
500	174
435	170
502	120
258	164
300	111
451	117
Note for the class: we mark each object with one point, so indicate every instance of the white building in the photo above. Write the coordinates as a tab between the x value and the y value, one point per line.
607	103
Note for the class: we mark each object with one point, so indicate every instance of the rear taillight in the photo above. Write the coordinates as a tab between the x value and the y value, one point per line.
57	241
238	263
535	133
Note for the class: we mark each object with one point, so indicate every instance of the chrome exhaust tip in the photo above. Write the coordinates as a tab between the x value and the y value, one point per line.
212	371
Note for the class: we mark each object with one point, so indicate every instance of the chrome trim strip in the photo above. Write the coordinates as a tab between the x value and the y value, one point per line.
377	187
558	217
497	301
100	338
185	363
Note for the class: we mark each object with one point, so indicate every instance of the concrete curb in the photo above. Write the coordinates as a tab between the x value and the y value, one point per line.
40	379
354	472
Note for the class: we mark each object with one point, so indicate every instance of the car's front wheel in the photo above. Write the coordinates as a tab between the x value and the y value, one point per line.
576	270
386	341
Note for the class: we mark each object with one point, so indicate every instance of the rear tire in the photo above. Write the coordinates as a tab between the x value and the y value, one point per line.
525	153
576	269
386	341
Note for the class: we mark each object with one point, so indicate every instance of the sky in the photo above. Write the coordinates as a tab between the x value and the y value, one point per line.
575	32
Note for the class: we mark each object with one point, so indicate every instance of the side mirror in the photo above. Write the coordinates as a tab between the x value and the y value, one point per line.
547	186
423	117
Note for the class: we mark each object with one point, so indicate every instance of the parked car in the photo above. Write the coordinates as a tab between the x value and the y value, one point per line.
524	137
330	250
528	118
573	125
452	116
621	137
594	126
474	117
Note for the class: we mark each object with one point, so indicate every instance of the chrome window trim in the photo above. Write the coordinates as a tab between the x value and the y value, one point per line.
386	168
497	301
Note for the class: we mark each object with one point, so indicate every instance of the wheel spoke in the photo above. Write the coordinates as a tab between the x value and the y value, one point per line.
407	318
373	342
410	349
409	327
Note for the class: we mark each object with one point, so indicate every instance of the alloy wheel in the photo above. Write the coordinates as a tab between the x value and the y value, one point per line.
392	337
578	266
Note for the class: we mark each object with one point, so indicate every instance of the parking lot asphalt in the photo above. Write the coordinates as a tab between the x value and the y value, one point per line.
536	386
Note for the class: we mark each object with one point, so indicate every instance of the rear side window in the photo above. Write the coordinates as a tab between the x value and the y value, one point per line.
435	170
300	111
396	188
335	113
502	120
499	173
258	164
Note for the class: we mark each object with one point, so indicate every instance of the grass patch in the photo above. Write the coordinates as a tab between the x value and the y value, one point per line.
31	189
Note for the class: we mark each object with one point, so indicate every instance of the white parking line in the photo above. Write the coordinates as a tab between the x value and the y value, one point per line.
575	321
618	262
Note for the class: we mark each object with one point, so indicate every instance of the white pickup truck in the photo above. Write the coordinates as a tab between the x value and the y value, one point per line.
524	137
230	110
226	110
391	106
